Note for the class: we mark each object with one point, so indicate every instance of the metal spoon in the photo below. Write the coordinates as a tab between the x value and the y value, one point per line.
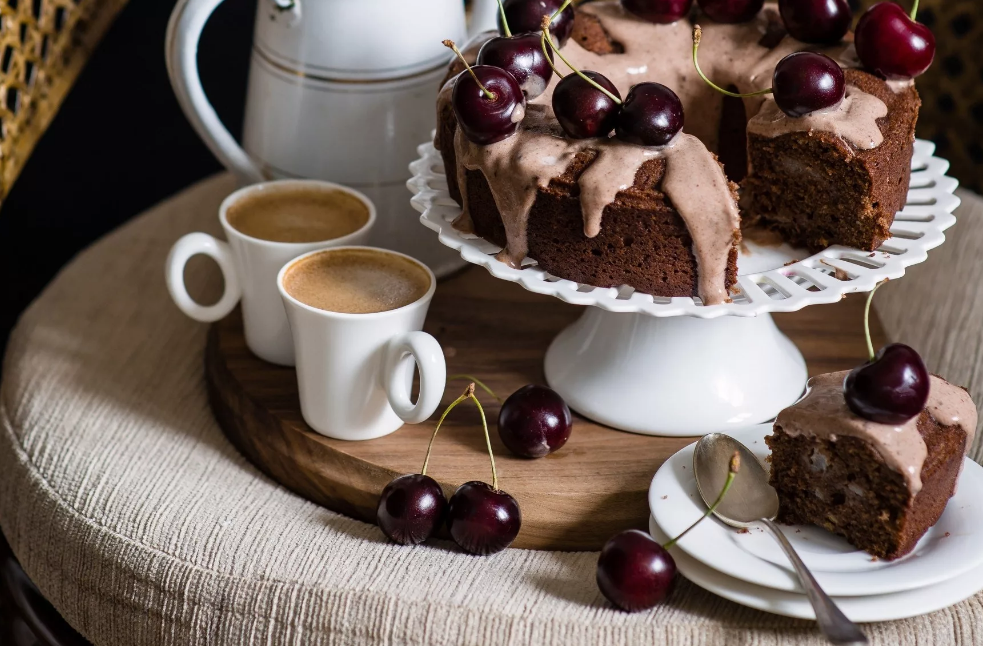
752	502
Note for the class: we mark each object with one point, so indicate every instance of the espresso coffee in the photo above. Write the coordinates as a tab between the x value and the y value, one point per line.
298	214
356	281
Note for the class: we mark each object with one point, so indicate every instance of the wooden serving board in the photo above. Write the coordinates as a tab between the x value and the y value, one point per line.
574	499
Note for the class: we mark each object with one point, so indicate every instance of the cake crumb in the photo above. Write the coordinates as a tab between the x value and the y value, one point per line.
946	535
871	254
664	497
874	559
744	530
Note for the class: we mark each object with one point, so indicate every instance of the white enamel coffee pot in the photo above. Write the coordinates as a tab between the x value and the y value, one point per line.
341	90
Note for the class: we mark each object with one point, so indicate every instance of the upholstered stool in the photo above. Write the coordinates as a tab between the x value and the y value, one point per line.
142	525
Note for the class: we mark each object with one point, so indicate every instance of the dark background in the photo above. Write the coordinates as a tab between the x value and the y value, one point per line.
119	144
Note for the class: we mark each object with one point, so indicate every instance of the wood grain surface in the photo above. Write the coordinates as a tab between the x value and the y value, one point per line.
574	499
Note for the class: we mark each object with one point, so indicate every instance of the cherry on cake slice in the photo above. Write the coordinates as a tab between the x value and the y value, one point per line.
880	486
873	453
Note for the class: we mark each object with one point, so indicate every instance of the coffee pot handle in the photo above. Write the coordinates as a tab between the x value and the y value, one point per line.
183	31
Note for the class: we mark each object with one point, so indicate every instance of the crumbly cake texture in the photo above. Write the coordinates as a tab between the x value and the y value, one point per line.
815	188
844	484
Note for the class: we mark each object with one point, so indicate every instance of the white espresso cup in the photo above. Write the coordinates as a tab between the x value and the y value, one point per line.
355	370
249	266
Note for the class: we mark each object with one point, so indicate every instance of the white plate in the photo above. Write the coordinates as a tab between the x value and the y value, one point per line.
950	548
882	607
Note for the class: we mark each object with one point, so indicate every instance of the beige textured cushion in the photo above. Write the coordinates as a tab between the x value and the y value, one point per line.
142	525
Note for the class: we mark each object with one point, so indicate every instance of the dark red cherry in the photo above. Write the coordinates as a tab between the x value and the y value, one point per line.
731	11
634	572
526	16
582	110
890	389
819	22
522	57
805	82
652	114
659	11
534	421
487	120
411	509
893	45
482	520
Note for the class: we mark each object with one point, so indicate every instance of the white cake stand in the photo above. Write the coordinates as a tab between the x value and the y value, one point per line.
673	366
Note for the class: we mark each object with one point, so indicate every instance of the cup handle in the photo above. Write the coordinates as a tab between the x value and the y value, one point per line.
429	359
191	245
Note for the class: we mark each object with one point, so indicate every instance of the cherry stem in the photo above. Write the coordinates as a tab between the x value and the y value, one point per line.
697	36
450	45
480	385
484	425
870	297
549	59
467	393
914	10
546	27
505	22
735	466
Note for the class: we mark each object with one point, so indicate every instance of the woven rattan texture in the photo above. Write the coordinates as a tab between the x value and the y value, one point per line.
43	46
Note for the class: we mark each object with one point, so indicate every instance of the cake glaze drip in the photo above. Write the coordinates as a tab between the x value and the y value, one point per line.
732	55
823	412
854	120
517	167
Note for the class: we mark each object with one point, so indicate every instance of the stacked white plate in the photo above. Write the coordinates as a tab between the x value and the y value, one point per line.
749	568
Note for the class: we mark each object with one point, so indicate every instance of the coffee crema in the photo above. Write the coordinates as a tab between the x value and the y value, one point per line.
297	214
356	281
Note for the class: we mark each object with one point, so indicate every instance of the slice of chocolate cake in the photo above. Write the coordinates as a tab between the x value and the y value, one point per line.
880	486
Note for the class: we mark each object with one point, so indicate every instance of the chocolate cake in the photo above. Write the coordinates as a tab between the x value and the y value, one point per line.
879	486
664	220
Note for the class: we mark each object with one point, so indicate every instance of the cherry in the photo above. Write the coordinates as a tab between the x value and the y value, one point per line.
488	102
652	114
582	109
585	103
890	42
731	11
890	388
523	57
411	508
636	573
662	12
803	82
524	16
481	519
534	421
820	22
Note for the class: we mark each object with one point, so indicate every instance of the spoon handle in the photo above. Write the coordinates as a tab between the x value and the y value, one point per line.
832	622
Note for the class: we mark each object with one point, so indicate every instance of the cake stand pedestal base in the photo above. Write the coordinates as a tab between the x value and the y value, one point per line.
675	376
